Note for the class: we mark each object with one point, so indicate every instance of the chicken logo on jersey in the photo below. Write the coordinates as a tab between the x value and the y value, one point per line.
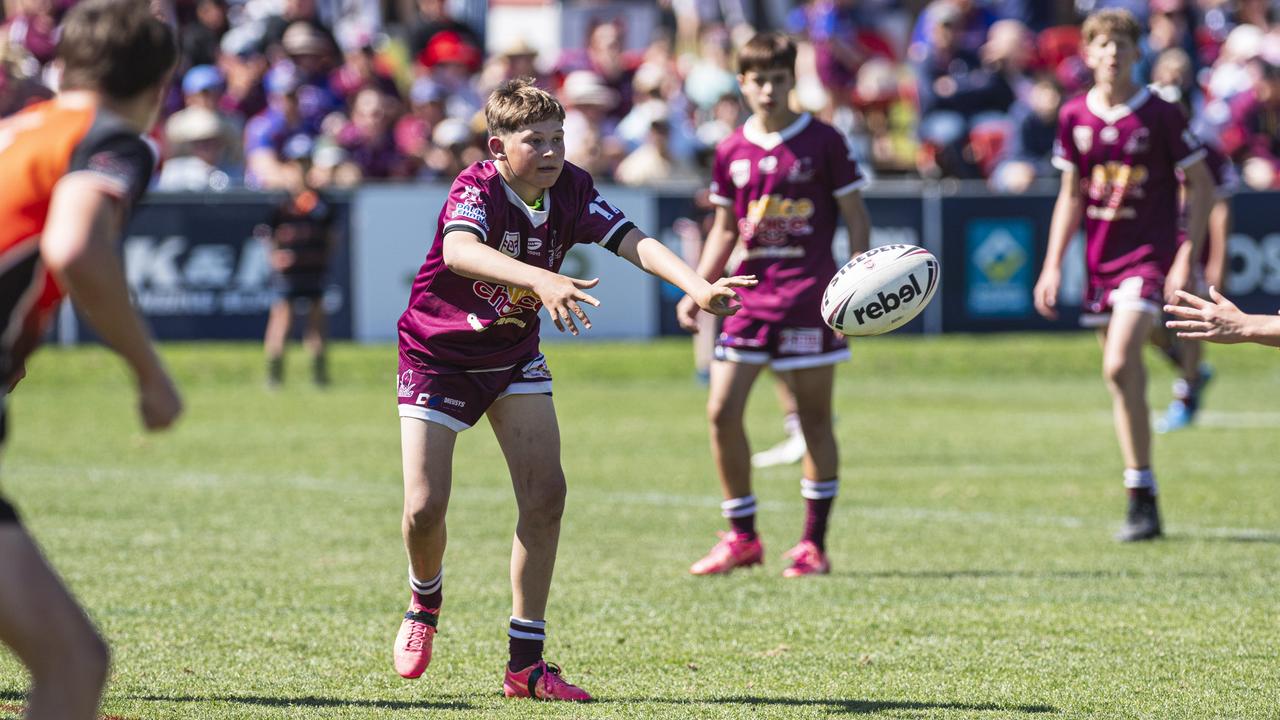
404	384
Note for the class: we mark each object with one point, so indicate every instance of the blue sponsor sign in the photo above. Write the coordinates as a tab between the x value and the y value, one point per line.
1000	255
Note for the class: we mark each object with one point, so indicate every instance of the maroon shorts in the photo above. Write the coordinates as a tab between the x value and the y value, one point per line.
458	400
1141	289
783	347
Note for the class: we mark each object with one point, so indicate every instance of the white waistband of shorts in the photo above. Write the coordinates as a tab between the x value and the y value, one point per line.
801	362
435	416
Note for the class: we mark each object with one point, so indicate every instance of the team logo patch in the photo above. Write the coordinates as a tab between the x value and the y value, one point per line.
768	164
404	384
1083	137
1108	135
510	244
1138	142
470	207
534	244
800	341
740	172
801	171
536	369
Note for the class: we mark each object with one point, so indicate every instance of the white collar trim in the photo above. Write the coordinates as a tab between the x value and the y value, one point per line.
537	217
771	140
1112	115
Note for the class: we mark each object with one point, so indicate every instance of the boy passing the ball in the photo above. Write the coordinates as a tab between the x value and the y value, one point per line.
1120	149
73	168
469	347
780	184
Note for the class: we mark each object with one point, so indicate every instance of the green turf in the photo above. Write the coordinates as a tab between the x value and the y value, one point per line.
249	565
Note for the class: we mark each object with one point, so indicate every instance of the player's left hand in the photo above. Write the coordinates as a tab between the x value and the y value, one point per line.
719	297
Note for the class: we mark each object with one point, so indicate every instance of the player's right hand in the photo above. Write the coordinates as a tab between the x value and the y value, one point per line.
158	402
1046	293
720	298
562	295
687	314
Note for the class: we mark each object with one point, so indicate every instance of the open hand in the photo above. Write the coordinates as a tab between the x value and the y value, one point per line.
719	297
1217	320
562	296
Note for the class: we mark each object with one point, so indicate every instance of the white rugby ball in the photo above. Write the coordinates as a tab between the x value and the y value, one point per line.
880	290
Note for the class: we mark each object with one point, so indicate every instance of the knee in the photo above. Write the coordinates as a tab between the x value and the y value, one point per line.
544	502
424	513
1120	372
723	416
815	419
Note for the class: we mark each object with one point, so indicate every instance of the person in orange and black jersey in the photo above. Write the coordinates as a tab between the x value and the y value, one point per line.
300	233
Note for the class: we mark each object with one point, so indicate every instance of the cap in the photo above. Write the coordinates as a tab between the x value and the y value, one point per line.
201	78
302	39
425	90
193	124
450	47
282	79
297	147
583	87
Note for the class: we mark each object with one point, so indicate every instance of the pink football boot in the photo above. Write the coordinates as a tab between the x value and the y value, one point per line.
413	642
541	681
734	550
806	559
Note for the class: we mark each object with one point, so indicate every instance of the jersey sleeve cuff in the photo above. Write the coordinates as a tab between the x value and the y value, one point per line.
613	239
464	226
858	184
1192	159
720	200
1063	164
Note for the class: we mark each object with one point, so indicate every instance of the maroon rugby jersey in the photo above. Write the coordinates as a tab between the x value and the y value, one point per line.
783	188
456	323
1128	157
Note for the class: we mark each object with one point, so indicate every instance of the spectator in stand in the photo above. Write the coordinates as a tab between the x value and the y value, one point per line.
833	26
1252	137
434	19
956	91
202	88
294	11
517	60
33	27
969	28
451	150
243	66
1260	13
330	167
605	58
197	150
201	38
1029	152
1171	26
589	131
710	77
450	62
312	55
413	130
658	97
723	118
360	70
653	162
265	134
368	139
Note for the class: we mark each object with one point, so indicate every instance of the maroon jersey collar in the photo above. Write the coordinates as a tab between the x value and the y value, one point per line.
1113	115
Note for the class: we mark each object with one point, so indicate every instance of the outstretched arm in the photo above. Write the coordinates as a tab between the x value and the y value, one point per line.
650	255
78	247
1219	320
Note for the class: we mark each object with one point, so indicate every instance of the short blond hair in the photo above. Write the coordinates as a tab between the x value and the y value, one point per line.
1112	21
519	103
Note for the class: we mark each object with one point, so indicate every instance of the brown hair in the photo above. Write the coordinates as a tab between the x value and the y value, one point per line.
767	51
518	103
1112	21
116	47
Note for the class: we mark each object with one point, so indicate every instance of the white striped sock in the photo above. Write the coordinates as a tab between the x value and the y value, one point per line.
826	490
1140	479
738	507
426	587
527	629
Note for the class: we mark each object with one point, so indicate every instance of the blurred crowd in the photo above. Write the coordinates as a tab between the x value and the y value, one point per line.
350	91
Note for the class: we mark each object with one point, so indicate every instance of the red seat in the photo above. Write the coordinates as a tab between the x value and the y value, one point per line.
1055	44
987	142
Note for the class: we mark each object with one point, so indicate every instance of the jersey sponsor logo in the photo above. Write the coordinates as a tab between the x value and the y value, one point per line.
768	164
507	300
1138	142
404	384
471	207
1108	135
533	244
888	302
740	172
1082	135
800	341
1110	185
801	171
435	402
510	244
772	218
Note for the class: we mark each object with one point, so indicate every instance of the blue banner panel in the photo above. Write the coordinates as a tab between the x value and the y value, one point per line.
197	271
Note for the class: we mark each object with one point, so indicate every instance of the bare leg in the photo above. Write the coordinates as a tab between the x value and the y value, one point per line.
279	320
726	404
812	390
1126	377
43	625
427	454
529	436
316	339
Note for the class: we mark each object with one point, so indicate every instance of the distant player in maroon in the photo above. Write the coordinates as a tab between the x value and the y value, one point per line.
469	348
780	184
72	170
1120	149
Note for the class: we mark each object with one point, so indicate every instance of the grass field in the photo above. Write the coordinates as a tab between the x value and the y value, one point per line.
249	564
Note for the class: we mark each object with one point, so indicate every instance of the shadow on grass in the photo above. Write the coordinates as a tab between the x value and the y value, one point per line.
310	701
1230	537
848	707
1024	574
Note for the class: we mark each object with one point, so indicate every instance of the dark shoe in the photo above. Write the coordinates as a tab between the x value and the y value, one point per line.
1142	521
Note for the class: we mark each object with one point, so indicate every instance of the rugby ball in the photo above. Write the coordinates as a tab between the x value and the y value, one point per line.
880	290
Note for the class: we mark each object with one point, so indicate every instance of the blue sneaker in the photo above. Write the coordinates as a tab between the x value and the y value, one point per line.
1182	411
